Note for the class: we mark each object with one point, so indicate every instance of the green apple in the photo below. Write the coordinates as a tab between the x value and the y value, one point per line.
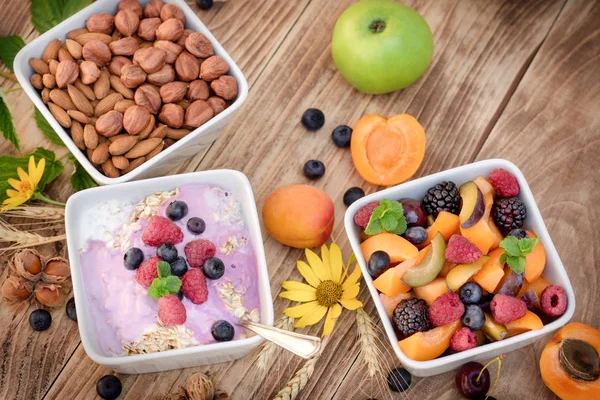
381	45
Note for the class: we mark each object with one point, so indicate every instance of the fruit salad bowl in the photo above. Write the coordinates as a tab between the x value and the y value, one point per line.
553	271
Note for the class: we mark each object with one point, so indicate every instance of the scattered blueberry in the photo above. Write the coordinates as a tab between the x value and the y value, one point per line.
314	169
167	252
133	258
518	233
222	331
109	387
399	380
379	262
473	317
71	310
40	320
177	210
353	194
213	268
470	293
416	235
196	225
313	119
486	301
179	267
179	295
204	4
341	136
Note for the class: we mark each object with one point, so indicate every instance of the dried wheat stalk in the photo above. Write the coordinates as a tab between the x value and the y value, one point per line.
269	349
22	239
295	385
367	338
37	212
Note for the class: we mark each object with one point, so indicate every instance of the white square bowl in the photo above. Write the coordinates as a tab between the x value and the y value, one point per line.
213	353
167	159
554	270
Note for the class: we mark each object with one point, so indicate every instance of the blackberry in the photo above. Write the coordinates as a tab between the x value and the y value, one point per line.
442	197
509	214
412	316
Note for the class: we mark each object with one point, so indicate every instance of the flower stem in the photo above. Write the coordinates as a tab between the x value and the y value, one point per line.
8	75
39	196
15	89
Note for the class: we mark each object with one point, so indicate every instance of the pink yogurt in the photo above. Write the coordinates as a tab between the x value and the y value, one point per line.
121	308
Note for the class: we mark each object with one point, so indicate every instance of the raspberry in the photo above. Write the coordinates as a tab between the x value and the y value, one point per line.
506	309
446	309
362	216
463	339
147	272
505	183
198	251
161	230
171	310
193	286
461	251
554	301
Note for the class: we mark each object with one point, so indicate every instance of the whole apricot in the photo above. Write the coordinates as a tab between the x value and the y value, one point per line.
299	216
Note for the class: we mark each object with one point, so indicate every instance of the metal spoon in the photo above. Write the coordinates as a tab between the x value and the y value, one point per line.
304	346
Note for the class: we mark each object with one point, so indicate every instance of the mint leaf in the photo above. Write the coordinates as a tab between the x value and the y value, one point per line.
153	289
173	284
517	264
80	179
46	14
389	217
46	129
9	47
503	258
526	245
164	269
7	125
510	244
388	222
401	226
374	227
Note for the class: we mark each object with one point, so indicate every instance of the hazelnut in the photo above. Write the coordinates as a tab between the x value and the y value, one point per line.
186	33
124	47
150	59
198	113
48	294
199	45
101	23
117	63
171	115
127	22
89	72
135	119
198	90
148	97
96	51
171	29
183	103
16	289
225	87
147	28
132	5
217	104
200	387
169	11
187	66
164	75
172	49
67	73
173	91
57	268
132	76
37	81
152	9
28	261
213	67
109	124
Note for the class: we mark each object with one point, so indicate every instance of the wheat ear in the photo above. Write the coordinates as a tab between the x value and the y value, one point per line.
367	338
37	212
269	349
22	239
295	385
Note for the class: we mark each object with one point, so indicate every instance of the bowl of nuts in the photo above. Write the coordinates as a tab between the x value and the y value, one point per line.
133	88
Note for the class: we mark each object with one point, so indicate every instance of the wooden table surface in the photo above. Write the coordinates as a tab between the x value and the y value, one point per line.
512	79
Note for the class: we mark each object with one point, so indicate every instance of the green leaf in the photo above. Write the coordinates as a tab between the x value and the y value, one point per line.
7	125
388	222
401	227
9	47
526	245
388	216
164	269
46	14
374	227
351	261
510	244
173	284
46	129
158	289
517	264
80	179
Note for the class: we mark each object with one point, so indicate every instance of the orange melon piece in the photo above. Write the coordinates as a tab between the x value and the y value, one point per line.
424	346
529	322
446	223
387	151
537	286
480	234
432	290
535	261
492	272
398	248
390	303
447	268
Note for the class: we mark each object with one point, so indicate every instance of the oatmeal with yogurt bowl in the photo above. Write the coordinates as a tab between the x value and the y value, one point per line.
175	270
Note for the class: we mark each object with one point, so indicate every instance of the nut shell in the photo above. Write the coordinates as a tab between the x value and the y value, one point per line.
15	288
56	270
200	387
49	294
27	263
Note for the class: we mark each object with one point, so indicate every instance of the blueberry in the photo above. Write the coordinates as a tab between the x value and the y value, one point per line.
40	320
177	210
473	317
470	293
416	235
179	267
341	136
353	194
71	310
167	252
213	268
486	301
518	233
314	169
313	119
379	262
204	4
109	387
222	331
399	380
179	295
196	225
133	258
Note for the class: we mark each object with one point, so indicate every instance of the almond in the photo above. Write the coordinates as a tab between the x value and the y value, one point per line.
132	5
198	90
165	75
102	85
177	134
198	113
127	22
109	124
122	145
135	119
79	116
212	68
101	23
225	87
61	115
148	97
124	47
100	154
150	59
171	115
171	29
173	91
172	50
84	38
187	66
97	51
77	135
159	132
156	150
45	95
51	50
123	105
132	76
169	11
217	104
143	147
37	81
117	63
147	28
109	169
85	89
90	136
39	66
62	99
53	66
80	101
74	48
117	85
133	164
89	72
67	73
152	9
121	162
107	104
149	128
76	32
199	45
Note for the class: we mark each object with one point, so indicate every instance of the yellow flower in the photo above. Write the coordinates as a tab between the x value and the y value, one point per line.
329	289
26	186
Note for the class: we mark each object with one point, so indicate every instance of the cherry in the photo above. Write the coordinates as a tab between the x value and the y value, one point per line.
469	382
414	212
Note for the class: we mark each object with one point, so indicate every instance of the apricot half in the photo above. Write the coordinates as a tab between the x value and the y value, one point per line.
492	272
570	364
398	248
387	151
528	322
484	234
424	346
535	261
